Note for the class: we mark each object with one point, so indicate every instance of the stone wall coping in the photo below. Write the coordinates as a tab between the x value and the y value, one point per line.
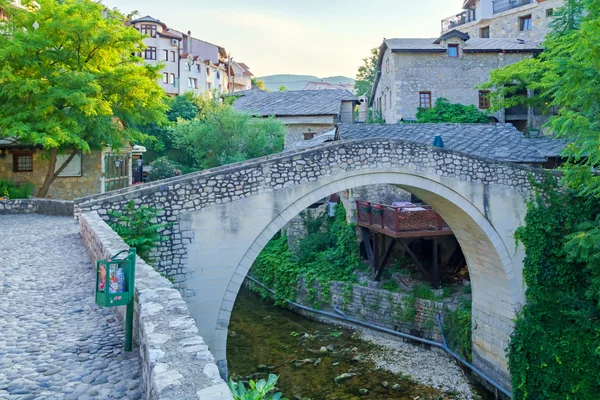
35	205
152	187
176	363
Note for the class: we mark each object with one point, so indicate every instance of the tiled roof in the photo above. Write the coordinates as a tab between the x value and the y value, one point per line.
293	102
169	35
502	142
471	45
148	18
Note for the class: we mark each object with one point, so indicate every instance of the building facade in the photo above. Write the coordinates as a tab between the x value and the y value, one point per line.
305	113
520	19
189	64
414	73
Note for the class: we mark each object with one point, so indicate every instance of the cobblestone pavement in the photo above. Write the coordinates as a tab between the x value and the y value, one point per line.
55	343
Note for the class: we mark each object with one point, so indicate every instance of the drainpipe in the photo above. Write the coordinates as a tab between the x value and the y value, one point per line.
444	346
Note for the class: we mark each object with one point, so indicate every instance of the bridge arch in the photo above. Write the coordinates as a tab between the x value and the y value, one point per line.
222	218
496	293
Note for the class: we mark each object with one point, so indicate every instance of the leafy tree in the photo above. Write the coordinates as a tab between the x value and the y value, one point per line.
365	78
258	84
221	135
446	112
163	168
70	80
283	88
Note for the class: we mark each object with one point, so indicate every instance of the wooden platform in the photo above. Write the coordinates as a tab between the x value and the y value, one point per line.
399	223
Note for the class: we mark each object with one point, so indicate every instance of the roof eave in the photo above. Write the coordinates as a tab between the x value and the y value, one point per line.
502	50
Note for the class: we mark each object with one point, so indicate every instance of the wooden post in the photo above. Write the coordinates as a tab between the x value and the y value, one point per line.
365	237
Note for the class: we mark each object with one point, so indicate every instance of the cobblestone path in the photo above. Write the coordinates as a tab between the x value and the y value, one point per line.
55	343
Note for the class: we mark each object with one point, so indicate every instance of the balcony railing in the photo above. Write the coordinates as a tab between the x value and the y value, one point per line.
504	5
401	222
457	20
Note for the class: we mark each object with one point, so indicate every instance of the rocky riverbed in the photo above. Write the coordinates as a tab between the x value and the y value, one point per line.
321	361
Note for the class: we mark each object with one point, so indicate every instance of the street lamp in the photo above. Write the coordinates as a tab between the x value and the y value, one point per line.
117	163
139	162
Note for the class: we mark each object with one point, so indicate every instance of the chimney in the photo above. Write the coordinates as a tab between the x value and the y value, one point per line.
189	43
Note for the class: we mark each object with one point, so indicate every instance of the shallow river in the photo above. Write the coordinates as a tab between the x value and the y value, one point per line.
308	357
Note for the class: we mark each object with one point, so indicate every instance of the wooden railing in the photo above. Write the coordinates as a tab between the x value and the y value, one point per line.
399	221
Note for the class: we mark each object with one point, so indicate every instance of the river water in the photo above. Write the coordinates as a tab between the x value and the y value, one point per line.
308	357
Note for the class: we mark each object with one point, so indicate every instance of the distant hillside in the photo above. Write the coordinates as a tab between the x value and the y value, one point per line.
297	82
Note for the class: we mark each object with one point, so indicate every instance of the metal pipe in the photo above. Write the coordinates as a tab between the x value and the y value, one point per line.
443	346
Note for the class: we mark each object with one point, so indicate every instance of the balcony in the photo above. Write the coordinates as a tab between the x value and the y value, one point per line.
457	20
401	222
505	5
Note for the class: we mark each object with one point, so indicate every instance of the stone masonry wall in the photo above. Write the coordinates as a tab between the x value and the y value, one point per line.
176	364
379	307
506	23
65	188
295	133
37	206
177	197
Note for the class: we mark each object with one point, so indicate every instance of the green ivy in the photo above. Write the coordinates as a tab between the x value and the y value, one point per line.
554	351
457	329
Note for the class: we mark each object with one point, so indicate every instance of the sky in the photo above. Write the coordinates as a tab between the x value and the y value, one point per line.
308	37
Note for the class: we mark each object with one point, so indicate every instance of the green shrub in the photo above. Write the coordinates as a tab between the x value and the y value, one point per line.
446	112
261	390
163	168
13	190
424	292
137	227
391	285
457	330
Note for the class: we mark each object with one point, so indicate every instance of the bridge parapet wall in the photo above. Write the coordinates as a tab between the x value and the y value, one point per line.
176	363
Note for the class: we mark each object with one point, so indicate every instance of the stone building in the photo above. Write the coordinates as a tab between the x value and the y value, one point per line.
414	73
518	19
305	113
85	175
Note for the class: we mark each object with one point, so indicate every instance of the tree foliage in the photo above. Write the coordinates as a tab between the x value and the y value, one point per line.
365	77
220	135
70	80
446	112
258	83
554	351
329	252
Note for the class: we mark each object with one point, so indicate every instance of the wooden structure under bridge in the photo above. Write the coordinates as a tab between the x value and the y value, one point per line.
382	225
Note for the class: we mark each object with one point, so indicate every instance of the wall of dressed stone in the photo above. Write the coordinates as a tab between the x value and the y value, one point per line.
37	206
176	363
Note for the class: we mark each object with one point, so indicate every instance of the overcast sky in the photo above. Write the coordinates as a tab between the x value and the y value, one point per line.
309	37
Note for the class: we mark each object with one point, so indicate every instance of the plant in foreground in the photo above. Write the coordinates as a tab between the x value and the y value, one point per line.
261	390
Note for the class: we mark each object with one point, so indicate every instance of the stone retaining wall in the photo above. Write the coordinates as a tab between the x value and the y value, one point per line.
37	206
176	364
380	307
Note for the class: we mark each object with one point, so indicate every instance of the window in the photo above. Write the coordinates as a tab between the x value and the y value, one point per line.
23	161
453	50
166	78
150	53
172	79
192	83
172	56
525	23
549	12
425	99
209	85
387	65
218	75
484	99
149	30
309	135
198	68
484	32
207	71
166	55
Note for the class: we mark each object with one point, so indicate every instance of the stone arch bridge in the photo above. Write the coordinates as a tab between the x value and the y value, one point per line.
222	218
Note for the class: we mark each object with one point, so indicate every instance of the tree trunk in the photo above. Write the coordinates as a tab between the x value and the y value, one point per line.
51	175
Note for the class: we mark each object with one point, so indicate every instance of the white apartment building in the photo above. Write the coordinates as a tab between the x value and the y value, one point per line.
501	19
190	64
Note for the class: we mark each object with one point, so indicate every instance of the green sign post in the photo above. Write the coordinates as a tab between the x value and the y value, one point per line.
115	286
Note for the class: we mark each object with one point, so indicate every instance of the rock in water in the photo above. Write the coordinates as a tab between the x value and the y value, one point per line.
344	377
